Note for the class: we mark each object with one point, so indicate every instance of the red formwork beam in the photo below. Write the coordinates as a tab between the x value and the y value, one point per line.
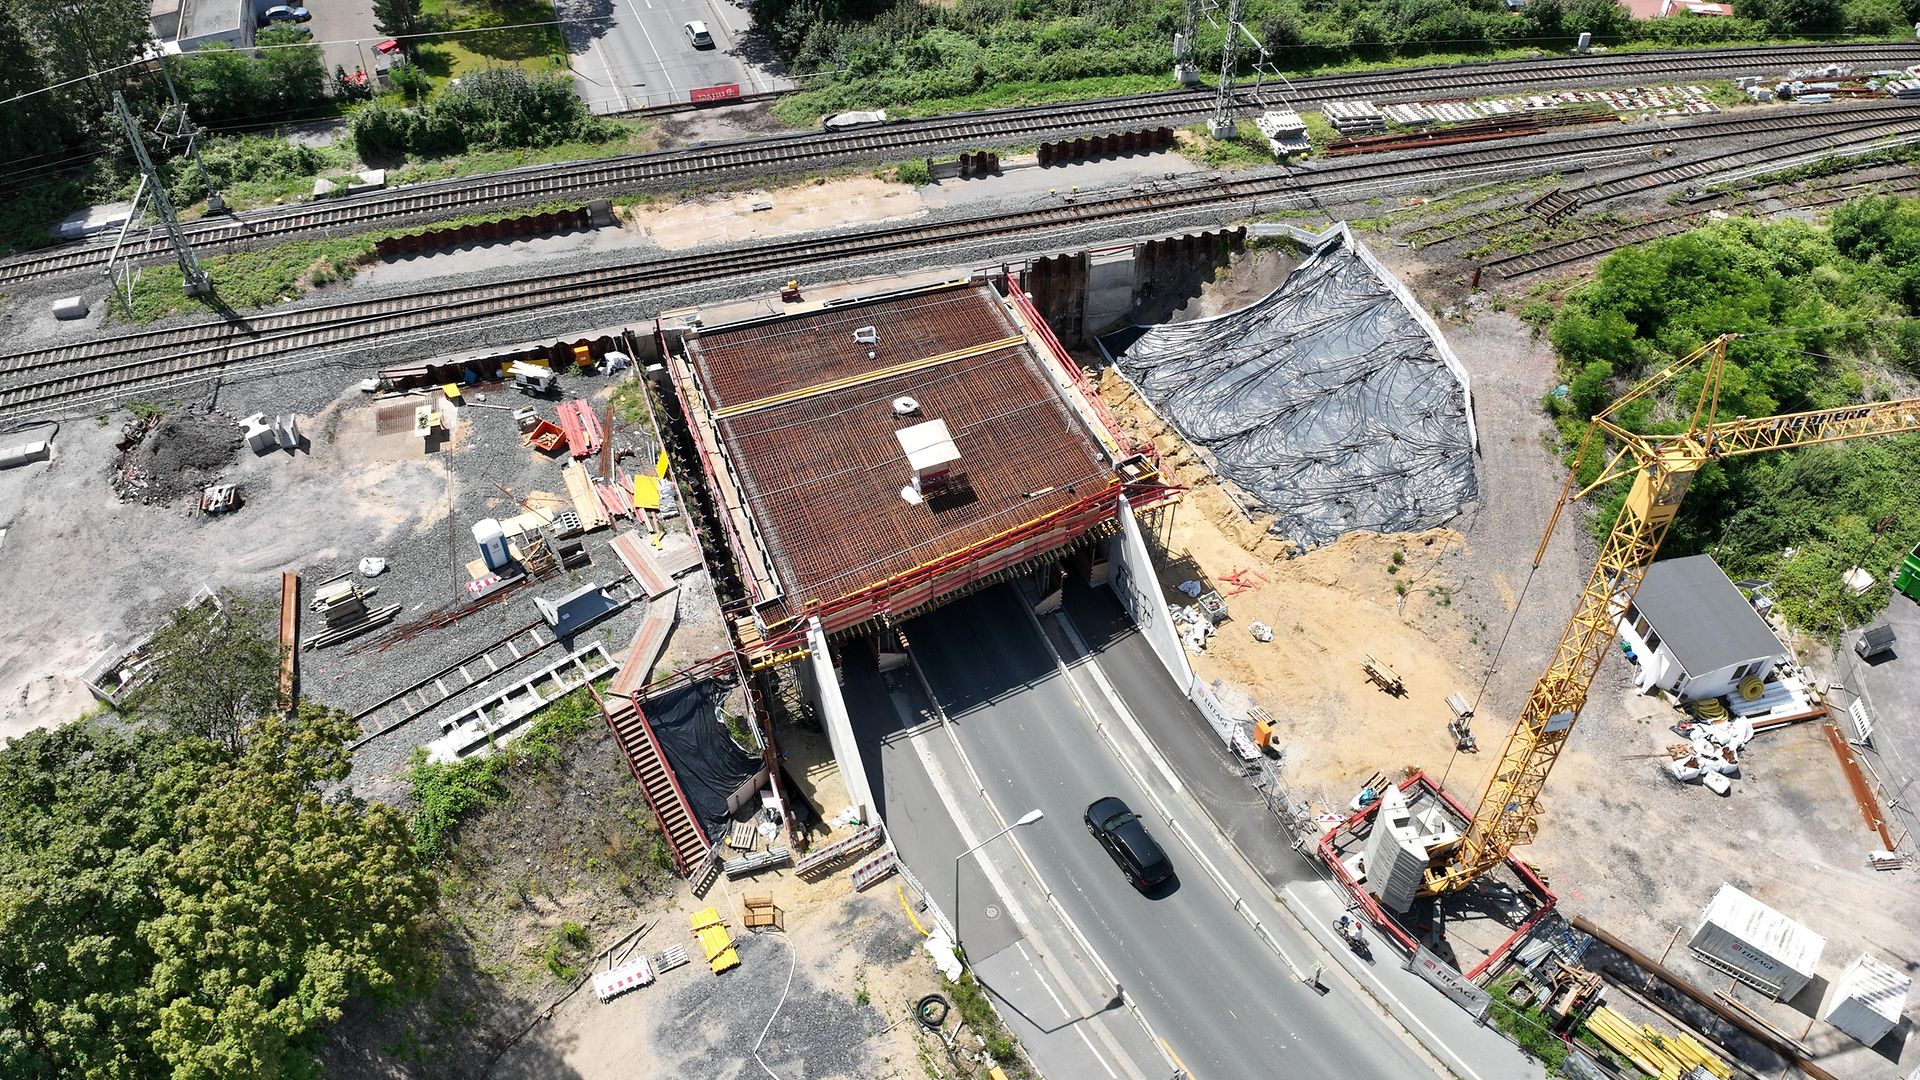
1057	354
706	464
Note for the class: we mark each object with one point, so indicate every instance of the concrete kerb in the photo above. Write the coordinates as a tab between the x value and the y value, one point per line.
1106	971
1387	1008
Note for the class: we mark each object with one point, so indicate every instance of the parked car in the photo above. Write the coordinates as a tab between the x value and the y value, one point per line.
1125	837
697	35
284	13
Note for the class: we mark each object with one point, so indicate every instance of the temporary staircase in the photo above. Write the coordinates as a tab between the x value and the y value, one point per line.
685	839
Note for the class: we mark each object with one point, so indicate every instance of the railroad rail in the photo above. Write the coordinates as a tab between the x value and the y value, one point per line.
802	151
64	379
1593	245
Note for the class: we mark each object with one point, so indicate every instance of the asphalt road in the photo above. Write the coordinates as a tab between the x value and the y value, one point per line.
1891	687
1224	1002
630	53
1053	997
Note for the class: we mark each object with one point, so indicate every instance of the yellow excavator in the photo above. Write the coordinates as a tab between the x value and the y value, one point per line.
1661	466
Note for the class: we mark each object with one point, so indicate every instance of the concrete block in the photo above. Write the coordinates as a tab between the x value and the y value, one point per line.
323	187
600	213
71	307
259	434
371	180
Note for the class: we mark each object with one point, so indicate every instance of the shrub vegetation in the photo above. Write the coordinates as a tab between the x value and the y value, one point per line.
496	109
896	53
1831	310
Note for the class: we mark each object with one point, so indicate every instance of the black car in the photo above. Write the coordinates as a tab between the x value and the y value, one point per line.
1124	835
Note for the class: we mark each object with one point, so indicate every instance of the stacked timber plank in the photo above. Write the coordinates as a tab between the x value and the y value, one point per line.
640	561
586	503
715	942
648	641
1668	1057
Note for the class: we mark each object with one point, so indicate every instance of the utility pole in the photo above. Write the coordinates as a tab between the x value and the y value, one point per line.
1184	68
197	283
215	203
1220	126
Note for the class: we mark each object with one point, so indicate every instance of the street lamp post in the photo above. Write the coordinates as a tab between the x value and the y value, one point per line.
1027	818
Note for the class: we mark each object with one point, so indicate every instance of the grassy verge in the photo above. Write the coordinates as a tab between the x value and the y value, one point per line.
251	279
976	1012
445	794
641	137
1247	149
535	48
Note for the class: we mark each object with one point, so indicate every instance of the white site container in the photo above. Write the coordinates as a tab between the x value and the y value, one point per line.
1756	944
1868	998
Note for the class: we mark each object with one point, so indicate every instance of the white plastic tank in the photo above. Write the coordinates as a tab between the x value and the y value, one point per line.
493	543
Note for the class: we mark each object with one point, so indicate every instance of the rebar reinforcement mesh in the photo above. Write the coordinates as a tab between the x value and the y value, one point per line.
1329	403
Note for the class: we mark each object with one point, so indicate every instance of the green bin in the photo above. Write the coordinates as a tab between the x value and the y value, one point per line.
1907	578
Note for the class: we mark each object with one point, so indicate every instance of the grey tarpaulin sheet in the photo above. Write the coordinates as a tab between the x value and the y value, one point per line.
708	763
1331	403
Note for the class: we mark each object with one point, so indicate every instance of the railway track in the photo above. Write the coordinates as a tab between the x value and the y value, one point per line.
1597	244
1879	126
802	151
62	379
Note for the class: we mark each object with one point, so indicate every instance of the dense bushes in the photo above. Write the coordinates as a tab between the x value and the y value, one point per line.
240	160
496	109
892	53
225	85
1831	313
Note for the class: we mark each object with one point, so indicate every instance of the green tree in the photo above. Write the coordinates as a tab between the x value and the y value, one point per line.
294	72
215	669
168	908
407	78
398	19
237	993
220	83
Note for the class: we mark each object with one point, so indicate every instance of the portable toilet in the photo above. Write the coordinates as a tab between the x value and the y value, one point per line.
493	543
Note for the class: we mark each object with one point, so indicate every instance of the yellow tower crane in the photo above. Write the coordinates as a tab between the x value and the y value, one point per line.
1661	466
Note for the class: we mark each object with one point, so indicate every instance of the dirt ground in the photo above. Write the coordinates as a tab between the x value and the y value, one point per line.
1459	607
795	208
856	971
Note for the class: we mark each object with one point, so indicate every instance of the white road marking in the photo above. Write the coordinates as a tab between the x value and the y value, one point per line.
1064	1013
1459	1062
655	49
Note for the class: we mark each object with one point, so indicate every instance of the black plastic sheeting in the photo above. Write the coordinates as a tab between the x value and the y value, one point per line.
710	766
1326	402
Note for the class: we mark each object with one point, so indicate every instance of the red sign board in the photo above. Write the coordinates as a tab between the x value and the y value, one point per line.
714	93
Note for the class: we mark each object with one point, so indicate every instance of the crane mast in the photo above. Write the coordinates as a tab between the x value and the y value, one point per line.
1662	466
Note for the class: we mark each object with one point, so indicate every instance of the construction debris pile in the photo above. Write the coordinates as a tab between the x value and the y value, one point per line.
1333	403
1711	754
164	458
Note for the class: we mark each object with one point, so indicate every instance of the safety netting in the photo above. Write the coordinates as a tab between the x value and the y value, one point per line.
690	728
1333	403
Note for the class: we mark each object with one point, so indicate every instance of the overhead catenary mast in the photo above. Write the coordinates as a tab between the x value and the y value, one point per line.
1184	68
197	283
1220	125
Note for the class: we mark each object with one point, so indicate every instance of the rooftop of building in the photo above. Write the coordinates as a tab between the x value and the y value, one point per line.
1702	617
802	416
206	18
